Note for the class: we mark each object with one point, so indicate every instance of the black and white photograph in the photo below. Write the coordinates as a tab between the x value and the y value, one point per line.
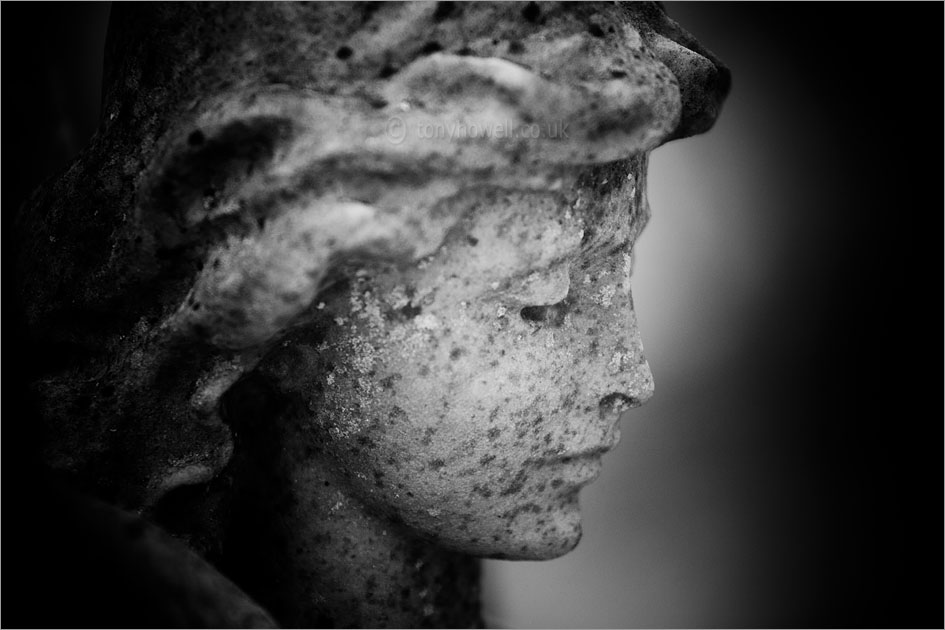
470	315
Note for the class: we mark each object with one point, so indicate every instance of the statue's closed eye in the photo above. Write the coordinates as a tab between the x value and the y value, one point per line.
554	286
548	314
543	287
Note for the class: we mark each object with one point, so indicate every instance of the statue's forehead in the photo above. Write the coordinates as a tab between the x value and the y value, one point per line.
511	234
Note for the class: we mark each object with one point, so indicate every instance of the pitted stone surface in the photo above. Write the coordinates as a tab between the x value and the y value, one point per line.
340	294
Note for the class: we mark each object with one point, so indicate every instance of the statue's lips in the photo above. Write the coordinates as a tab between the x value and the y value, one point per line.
583	456
581	469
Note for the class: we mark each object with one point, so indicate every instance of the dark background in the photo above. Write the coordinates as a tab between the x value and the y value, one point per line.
787	473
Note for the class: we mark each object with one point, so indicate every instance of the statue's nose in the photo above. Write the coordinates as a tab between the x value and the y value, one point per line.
626	381
616	403
631	388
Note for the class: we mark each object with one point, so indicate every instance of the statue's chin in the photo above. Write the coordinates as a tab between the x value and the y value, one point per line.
547	548
543	535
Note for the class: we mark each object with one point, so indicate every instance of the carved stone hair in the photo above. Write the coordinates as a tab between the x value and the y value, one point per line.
246	148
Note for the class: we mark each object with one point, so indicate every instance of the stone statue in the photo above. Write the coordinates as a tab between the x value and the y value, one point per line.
338	296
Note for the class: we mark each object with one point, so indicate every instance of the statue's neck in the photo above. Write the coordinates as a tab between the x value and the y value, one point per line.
314	556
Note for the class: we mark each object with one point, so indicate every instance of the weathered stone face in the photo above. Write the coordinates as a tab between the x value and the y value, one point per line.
472	394
414	223
251	153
